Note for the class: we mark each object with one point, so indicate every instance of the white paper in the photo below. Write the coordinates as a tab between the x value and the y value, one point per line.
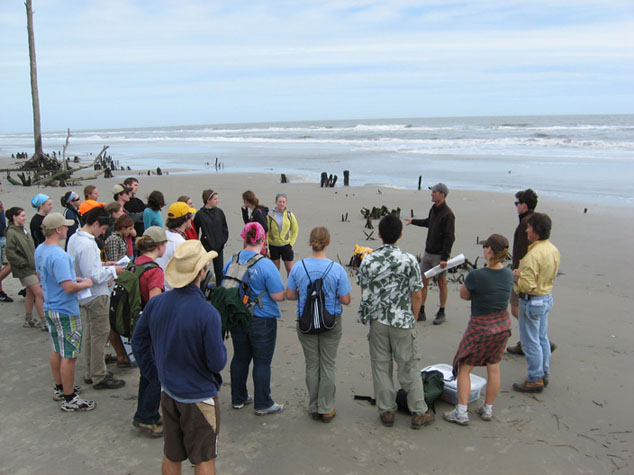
124	261
453	262
83	294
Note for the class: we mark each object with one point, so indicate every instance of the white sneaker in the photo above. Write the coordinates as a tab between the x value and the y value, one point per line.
274	409
78	404
485	414
460	418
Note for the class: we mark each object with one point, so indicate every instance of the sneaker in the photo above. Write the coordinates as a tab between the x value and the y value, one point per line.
528	387
485	414
440	318
460	418
516	350
31	323
421	315
22	293
420	420
58	394
274	409
43	325
109	382
329	417
248	400
387	418
151	430
78	404
5	298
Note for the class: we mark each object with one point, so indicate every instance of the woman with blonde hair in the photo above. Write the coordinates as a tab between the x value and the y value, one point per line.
283	231
320	349
488	330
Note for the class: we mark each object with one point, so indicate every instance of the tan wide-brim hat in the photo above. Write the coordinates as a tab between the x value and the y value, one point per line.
188	260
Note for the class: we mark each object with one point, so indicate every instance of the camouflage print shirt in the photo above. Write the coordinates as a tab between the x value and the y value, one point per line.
388	277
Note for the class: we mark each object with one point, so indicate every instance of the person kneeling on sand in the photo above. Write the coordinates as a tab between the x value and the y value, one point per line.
179	341
391	286
61	308
488	330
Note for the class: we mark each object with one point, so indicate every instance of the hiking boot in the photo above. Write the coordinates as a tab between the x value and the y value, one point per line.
151	430
78	404
109	382
274	409
387	418
528	387
58	394
460	418
89	380
4	297
22	293
329	417
248	400
516	350
440	318
421	315
420	420
485	414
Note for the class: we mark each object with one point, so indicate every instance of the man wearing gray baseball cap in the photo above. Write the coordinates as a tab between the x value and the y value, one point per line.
440	239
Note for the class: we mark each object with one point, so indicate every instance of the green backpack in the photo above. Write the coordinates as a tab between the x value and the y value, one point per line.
126	305
433	384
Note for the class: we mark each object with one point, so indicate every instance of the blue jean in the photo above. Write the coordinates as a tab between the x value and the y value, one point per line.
533	323
148	402
257	343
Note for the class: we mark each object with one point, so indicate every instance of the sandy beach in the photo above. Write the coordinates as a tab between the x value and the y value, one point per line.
580	424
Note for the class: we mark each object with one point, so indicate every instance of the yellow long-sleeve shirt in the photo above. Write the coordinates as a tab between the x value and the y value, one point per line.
538	269
288	233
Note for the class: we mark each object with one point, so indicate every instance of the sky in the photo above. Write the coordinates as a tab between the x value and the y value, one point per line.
117	63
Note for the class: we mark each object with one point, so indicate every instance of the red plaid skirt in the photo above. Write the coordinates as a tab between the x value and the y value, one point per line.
484	341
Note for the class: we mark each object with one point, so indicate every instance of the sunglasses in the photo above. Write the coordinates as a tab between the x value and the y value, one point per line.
75	199
518	203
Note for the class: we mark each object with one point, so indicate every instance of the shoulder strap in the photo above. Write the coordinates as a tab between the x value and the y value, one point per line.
323	276
306	270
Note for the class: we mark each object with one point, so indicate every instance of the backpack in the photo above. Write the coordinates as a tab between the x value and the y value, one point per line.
433	385
315	318
126	305
233	299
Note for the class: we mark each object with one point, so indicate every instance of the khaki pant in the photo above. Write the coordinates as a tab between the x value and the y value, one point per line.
96	325
320	353
389	344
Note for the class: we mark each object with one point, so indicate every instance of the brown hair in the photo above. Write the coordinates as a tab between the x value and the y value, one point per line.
113	207
250	197
88	189
183	198
123	221
319	238
207	194
498	257
146	244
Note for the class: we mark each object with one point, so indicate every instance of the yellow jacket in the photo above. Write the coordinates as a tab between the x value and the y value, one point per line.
288	233
538	269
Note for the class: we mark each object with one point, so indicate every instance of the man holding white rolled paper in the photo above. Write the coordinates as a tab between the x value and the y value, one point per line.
440	239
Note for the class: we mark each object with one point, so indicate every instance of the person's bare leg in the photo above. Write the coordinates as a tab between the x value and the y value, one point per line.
5	271
39	300
515	310
493	383
117	344
464	384
29	300
55	360
424	291
205	468
171	468
289	266
442	289
67	370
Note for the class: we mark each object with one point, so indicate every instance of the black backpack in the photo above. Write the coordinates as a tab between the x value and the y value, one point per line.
315	318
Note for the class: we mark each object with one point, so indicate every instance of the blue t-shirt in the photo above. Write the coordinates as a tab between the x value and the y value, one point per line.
262	276
152	218
336	283
56	266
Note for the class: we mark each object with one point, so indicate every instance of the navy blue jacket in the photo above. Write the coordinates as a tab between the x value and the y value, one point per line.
179	336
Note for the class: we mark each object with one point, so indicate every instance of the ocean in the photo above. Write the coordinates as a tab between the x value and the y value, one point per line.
585	158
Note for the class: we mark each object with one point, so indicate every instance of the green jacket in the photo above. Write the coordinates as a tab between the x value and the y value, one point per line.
288	233
20	249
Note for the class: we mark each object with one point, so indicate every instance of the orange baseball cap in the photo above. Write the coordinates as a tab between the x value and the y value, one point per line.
88	205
